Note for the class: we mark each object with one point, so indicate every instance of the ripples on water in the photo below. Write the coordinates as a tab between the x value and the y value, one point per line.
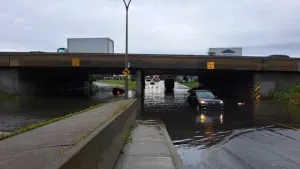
26	111
245	136
200	142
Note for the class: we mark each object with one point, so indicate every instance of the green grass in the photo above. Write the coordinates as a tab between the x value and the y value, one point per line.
131	84
190	84
83	135
42	123
128	138
5	96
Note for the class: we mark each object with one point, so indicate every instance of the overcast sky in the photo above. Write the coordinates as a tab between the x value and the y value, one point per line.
261	27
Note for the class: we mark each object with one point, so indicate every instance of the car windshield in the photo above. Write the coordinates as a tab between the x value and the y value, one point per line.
205	94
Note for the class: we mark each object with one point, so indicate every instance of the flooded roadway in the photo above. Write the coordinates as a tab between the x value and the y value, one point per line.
26	111
244	138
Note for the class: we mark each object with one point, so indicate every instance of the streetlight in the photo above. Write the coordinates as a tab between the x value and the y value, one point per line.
126	48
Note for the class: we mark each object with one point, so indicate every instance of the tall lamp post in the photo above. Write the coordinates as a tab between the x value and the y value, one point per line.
126	48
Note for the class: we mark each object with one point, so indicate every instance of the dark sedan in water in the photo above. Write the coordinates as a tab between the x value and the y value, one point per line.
204	100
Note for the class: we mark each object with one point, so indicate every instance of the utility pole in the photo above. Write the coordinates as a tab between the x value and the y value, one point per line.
126	48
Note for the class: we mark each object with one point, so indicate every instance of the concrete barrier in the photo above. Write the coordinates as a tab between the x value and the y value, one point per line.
100	150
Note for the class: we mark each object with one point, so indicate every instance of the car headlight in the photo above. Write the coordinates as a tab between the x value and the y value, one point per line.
202	101
221	102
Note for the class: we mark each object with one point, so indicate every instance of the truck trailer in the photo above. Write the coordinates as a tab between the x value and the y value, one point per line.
236	51
169	85
90	45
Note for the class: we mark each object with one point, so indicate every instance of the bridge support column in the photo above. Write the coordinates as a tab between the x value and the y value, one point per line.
9	80
270	81
140	83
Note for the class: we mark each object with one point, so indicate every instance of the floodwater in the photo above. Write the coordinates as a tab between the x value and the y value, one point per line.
253	136
17	114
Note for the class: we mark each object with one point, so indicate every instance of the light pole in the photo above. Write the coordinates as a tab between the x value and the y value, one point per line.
126	48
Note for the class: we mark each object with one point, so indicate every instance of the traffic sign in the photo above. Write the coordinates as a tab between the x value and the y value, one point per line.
75	62
210	65
126	72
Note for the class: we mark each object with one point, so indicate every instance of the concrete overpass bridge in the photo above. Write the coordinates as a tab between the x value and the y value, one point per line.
50	73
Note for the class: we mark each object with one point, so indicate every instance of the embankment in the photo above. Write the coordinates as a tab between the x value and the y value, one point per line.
102	147
88	140
290	99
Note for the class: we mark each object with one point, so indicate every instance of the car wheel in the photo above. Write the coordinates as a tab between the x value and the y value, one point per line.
188	104
198	107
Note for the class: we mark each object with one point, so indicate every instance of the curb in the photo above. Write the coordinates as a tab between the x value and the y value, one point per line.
175	156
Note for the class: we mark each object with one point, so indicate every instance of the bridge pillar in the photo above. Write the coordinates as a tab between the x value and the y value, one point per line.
9	80
140	83
270	81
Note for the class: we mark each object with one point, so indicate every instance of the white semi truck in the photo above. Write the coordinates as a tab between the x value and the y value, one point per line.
90	45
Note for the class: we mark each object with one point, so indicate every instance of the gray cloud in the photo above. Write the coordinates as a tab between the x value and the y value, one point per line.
261	27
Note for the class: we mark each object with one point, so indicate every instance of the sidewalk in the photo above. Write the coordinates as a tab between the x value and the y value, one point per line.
151	148
37	148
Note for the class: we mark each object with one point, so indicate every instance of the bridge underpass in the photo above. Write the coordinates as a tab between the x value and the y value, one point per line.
48	81
224	83
194	136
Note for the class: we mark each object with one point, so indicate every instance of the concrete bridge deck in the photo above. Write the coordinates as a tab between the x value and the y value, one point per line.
150	61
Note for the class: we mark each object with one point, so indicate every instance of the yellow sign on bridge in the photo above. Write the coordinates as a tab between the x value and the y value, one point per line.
210	65
75	62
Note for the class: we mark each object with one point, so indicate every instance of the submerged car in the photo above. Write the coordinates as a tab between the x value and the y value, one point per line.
204	100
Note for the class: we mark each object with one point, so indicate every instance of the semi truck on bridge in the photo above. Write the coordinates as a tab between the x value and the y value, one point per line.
90	45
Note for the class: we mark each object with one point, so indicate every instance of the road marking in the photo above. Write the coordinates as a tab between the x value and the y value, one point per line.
287	126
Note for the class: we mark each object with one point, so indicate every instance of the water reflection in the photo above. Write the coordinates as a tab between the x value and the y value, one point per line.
202	118
16	114
242	136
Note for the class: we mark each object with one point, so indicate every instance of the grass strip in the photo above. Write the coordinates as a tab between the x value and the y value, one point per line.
43	123
5	96
84	134
131	84
190	84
